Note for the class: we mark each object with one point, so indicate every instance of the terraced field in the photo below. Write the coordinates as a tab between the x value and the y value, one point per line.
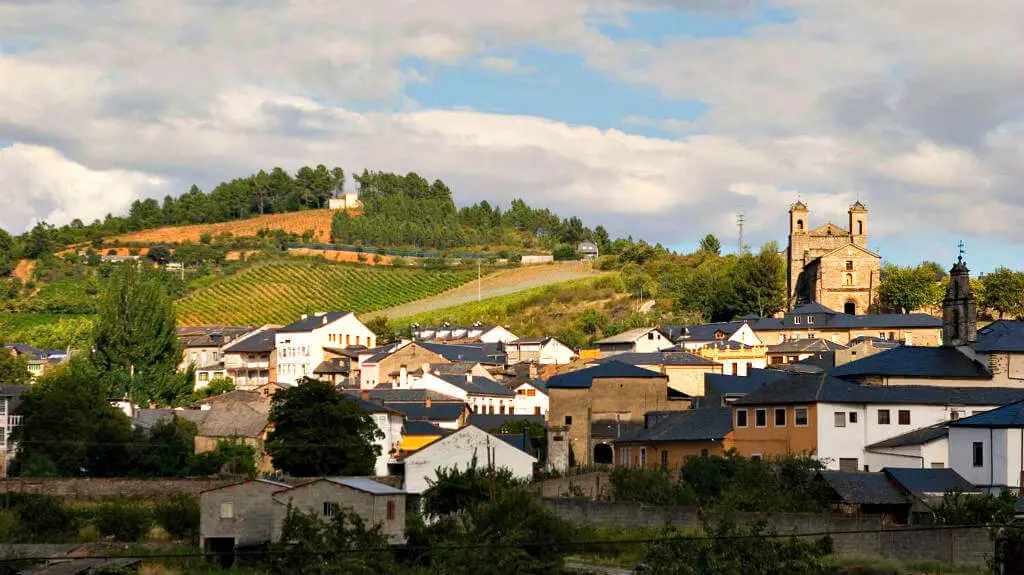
281	292
317	221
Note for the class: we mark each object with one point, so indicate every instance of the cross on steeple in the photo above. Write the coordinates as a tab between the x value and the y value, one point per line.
960	247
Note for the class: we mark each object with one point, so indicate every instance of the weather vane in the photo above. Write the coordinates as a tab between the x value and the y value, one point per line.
960	247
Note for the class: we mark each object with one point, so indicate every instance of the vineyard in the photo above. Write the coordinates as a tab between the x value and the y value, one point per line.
319	221
282	292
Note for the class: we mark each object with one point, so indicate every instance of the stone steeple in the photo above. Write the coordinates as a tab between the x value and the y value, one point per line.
959	310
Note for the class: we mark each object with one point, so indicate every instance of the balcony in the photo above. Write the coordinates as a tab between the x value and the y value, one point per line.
10	420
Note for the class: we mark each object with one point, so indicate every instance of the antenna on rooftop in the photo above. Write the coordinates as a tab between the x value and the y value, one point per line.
740	220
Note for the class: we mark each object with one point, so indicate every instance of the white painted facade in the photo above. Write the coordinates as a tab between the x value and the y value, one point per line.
926	455
299	353
742	366
530	401
745	335
652	341
457	451
478	403
1001	461
390	424
848	442
548	351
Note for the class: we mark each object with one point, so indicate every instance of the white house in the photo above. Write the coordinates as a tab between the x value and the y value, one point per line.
988	449
390	423
539	350
692	337
458	451
300	345
531	398
640	340
472	333
483	395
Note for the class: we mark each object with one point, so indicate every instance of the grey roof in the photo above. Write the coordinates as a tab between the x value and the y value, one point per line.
718	385
875	342
539	384
806	345
487	422
313	321
657	358
584	378
1001	336
518	440
703	332
914	361
332	367
259	342
422	428
24	348
438	411
366	485
864	488
147	418
924	482
1010	415
478	385
373	407
825	318
810	388
707	424
916	437
628	336
210	335
406	395
486	353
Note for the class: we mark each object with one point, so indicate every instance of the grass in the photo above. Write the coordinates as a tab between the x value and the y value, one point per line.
280	292
886	566
46	330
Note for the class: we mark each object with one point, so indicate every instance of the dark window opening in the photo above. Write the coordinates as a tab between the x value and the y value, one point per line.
568	420
979	454
904	417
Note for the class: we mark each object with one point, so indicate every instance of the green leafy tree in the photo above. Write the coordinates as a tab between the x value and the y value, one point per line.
135	332
70	427
382	328
313	546
230	456
159	254
8	253
759	281
13	369
1004	292
959	508
453	491
318	431
217	386
166	449
908	288
710	244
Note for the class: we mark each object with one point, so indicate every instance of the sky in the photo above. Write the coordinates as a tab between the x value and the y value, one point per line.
659	119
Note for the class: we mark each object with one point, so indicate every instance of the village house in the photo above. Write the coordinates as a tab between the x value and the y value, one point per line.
476	333
466	447
531	398
596	405
10	398
988	448
588	250
39	361
693	337
203	345
251	361
814	320
391	423
423	405
388	365
377	504
685	371
539	350
797	350
735	357
836	420
483	395
667	438
640	340
418	434
902	495
238	516
300	345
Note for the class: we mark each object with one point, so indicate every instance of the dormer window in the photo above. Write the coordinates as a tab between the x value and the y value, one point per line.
796	320
810	319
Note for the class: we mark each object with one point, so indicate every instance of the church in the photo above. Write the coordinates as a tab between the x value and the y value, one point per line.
831	265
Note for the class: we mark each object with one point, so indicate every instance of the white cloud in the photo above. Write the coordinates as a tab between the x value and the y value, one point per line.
505	65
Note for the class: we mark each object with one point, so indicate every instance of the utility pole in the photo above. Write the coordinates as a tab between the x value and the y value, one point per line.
740	220
479	282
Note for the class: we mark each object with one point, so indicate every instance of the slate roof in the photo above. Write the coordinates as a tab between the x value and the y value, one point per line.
228	420
438	411
539	384
707	424
628	336
366	485
806	345
826	318
422	428
583	378
1001	336
812	388
313	321
485	421
210	335
928	482
479	385
864	488
486	353
703	332
718	385
1010	415
407	395
875	342
329	367
657	358
147	418
373	407
24	348
918	362
517	440
915	437
259	342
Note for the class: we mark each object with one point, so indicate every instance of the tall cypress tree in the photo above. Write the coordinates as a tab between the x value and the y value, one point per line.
135	338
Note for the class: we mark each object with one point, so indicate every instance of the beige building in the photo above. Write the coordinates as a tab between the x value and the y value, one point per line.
832	265
685	371
816	321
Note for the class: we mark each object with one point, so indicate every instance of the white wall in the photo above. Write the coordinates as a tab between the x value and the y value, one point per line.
528	405
498	334
555	352
477	403
1001	465
923	456
299	353
390	424
457	451
745	334
742	366
649	344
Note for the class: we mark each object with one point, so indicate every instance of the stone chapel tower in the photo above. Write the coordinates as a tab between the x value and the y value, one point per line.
797	252
859	224
959	310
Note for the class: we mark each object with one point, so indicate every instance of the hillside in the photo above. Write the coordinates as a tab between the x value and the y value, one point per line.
316	221
280	292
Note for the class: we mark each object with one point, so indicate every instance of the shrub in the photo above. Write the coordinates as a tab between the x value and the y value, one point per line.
123	521
42	517
179	516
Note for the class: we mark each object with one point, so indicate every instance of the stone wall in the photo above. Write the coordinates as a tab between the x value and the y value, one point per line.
100	488
590	485
852	536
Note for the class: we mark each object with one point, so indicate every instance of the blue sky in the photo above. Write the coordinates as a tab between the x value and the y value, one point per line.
659	119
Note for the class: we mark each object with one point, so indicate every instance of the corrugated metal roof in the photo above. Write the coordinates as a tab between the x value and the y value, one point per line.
366	485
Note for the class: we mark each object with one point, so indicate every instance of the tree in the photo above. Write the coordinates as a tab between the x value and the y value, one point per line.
1004	292
8	253
760	281
711	245
135	332
314	546
167	449
382	328
318	431
13	368
40	240
70	427
217	386
159	254
908	288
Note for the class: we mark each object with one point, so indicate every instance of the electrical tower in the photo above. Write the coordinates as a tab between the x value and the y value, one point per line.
740	220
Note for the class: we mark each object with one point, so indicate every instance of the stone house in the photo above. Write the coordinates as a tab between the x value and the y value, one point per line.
669	437
685	371
374	502
735	357
593	406
203	345
386	366
237	516
460	450
816	321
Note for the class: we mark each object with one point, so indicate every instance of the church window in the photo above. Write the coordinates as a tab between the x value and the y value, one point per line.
849	265
800	225
849	280
860	228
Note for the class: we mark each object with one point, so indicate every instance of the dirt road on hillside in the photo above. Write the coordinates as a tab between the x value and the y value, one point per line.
496	284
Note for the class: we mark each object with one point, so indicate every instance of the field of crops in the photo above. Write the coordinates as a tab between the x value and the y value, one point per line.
282	292
319	221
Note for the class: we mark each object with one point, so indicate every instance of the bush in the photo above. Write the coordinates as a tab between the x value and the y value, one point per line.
124	521
41	517
565	252
179	516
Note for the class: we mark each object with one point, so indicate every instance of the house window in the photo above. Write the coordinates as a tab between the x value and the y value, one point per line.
735	369
536	410
741	418
800	416
650	335
883	417
780	417
979	454
849	265
664	459
796	320
643	458
850	464
703	452
761	417
853	417
568	420
755	457
331	509
227	510
810	319
391	510
840	419
904	416
849	280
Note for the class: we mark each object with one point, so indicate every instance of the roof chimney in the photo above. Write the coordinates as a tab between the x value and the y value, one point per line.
426	403
469	377
364	395
324	322
305	316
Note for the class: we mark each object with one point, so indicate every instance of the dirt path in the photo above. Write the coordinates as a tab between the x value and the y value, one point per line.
24	270
500	283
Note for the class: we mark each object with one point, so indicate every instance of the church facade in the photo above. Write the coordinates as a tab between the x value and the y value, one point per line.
832	265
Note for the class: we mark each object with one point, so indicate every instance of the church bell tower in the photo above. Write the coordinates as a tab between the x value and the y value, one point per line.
959	310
